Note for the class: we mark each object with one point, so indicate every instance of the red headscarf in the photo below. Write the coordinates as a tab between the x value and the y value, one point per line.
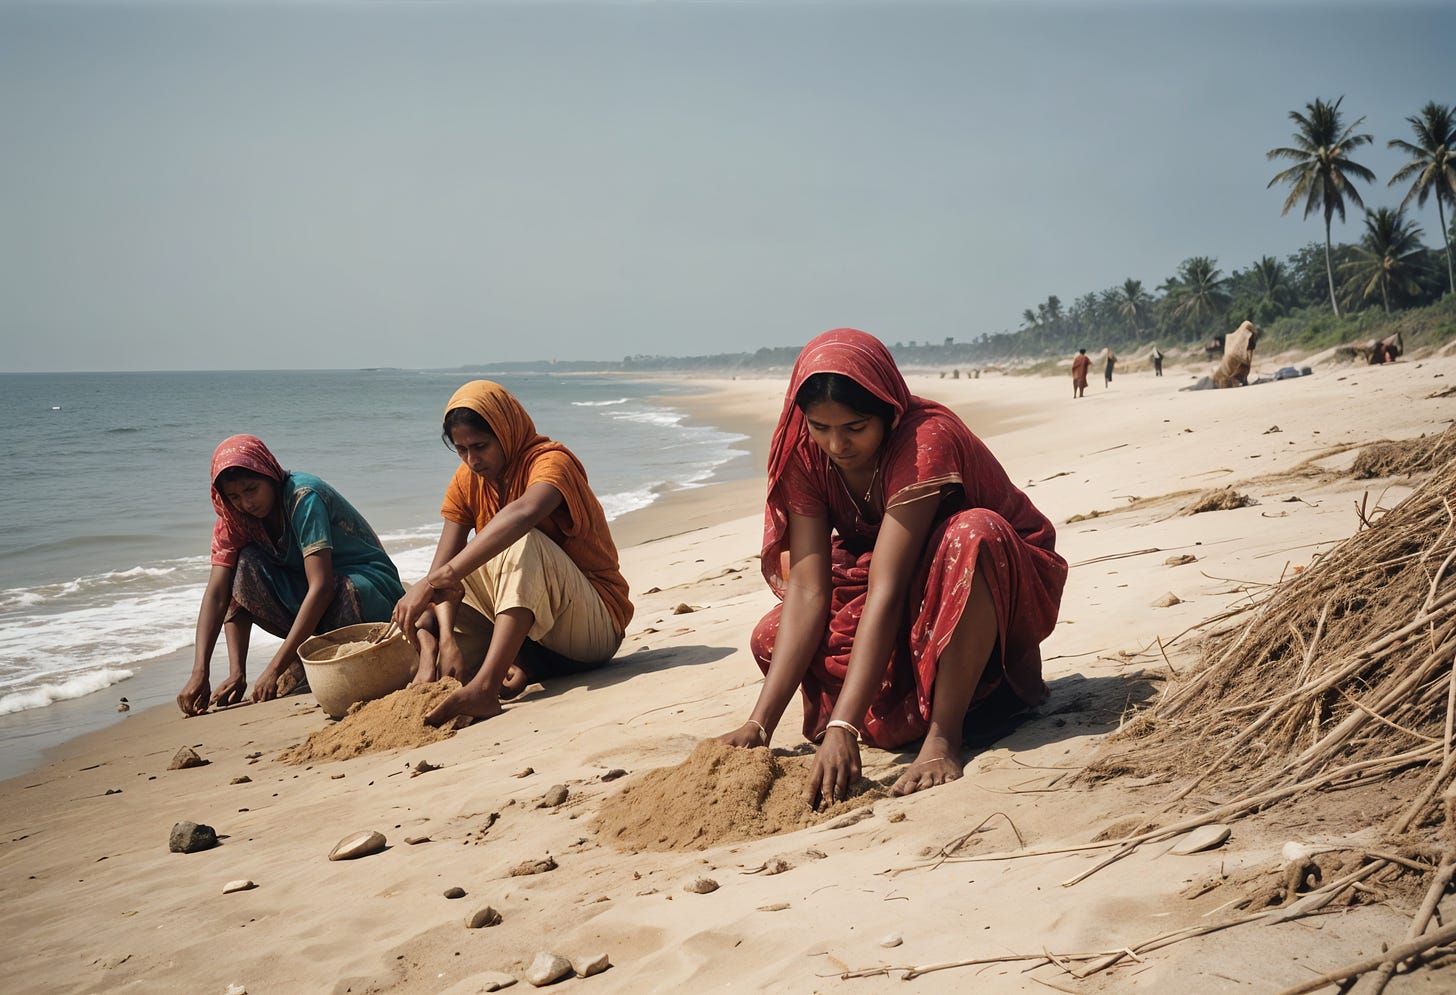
234	529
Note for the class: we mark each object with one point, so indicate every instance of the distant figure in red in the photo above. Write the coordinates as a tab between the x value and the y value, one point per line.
916	579
1081	363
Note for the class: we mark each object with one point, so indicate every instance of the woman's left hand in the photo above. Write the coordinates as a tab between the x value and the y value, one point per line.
408	609
836	768
267	687
446	583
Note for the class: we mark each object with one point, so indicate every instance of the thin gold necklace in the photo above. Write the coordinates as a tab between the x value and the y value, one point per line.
873	477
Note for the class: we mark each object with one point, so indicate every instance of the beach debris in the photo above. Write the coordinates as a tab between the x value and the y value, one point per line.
547	863
555	796
187	757
1182	559
849	819
252	756
241	779
236	989
774	865
587	966
357	845
241	884
548	968
1167	601
527	772
653	590
1203	838
415	840
1272	429
123	705
493	981
423	767
890	940
482	918
775	907
683	608
613	774
1219	499
190	837
701	886
455	892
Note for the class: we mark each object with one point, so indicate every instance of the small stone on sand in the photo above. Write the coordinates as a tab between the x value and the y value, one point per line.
1180	560
701	886
554	797
683	608
186	757
775	907
548	968
613	774
241	779
455	892
190	837
416	840
1202	838
533	867
524	773
1168	601
357	845
242	884
892	940
483	917
591	965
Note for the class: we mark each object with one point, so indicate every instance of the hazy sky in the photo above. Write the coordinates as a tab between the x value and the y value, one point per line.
427	184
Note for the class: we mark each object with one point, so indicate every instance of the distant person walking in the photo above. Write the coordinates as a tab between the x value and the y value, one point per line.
1080	365
1109	361
1157	362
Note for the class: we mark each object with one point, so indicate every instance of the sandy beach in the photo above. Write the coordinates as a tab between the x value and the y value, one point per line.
95	901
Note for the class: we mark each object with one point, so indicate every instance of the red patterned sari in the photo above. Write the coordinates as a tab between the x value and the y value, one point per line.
982	521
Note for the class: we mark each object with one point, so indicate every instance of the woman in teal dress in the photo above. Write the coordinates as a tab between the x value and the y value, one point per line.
290	555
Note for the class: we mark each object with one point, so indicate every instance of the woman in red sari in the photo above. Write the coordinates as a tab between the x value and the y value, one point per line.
916	579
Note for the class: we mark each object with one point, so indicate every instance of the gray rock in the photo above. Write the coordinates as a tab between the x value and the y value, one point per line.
585	968
483	917
701	886
456	892
554	796
189	837
613	774
548	968
186	757
891	940
357	845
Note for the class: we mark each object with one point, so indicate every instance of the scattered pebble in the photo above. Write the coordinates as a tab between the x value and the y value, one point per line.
1180	560
533	867
242	884
556	795
1168	601
416	840
237	990
455	892
423	767
683	608
701	886
591	965
241	779
1202	838
548	968
483	917
336	777
252	756
891	940
186	757
896	817
190	837
775	907
613	774
494	982
525	773
357	845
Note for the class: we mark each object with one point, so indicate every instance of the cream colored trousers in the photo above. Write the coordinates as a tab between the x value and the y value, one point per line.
536	574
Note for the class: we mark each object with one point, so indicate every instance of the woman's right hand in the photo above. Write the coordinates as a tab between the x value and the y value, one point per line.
194	697
408	609
748	735
231	691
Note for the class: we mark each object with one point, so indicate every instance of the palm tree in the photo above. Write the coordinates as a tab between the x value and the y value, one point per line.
1387	258
1432	168
1323	175
1132	303
1201	293
1271	280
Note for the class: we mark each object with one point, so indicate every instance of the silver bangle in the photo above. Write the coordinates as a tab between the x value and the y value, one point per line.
762	732
848	727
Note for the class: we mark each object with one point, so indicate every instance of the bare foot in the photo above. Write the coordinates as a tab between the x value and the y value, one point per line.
466	701
517	679
938	763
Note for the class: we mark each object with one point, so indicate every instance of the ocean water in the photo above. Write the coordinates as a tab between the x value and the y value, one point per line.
105	515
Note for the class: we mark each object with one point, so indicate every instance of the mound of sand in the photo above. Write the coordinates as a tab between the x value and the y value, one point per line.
394	722
719	794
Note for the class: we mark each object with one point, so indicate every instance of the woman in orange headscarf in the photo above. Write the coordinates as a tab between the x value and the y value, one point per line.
538	582
916	579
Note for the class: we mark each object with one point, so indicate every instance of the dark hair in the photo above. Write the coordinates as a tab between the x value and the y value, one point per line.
238	473
456	417
841	389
